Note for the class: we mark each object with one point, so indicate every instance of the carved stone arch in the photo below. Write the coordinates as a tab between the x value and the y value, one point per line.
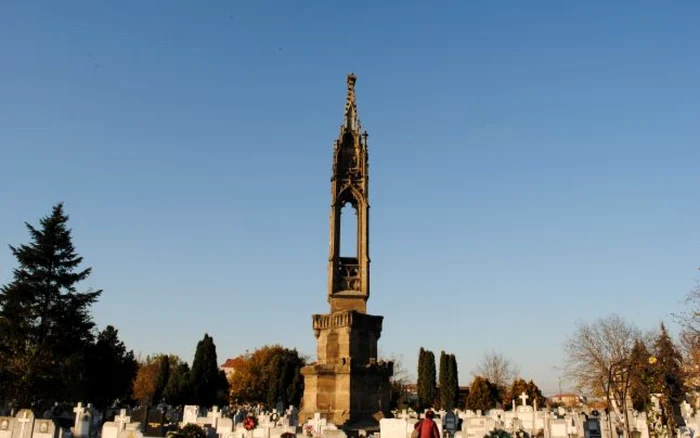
352	195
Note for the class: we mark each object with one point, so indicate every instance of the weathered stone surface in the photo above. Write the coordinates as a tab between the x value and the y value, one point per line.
346	384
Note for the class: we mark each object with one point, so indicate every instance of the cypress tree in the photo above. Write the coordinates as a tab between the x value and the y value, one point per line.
45	321
444	390
452	381
430	379
206	379
420	384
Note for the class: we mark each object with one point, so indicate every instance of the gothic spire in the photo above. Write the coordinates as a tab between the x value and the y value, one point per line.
350	106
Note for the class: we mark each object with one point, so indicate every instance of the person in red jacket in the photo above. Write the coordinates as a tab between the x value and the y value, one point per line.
427	427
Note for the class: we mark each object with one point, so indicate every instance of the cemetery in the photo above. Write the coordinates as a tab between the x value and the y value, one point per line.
347	387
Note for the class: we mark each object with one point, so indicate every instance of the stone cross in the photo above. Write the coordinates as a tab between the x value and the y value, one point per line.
23	420
122	419
317	422
215	414
523	397
79	410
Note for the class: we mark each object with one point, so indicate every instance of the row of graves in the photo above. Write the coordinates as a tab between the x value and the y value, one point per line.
86	422
527	421
523	421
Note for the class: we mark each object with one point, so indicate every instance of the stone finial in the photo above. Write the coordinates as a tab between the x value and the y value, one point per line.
350	106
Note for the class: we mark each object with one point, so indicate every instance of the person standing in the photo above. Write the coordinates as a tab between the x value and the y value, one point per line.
426	427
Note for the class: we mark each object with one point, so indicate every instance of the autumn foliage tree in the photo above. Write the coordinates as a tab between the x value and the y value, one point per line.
269	374
482	395
520	386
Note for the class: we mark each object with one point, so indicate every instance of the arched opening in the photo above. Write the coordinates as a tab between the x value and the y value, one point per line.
348	231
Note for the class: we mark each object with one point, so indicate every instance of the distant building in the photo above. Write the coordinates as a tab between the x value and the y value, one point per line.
229	367
567	399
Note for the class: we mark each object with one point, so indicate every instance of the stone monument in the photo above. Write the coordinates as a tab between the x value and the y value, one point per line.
347	384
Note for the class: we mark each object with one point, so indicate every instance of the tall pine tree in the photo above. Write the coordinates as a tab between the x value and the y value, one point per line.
45	321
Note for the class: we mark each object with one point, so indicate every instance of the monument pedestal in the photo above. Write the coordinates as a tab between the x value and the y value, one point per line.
347	385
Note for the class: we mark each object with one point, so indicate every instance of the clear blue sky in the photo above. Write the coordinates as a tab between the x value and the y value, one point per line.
533	164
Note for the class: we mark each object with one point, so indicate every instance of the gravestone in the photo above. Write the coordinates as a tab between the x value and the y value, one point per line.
155	426
450	422
213	416
6	426
24	424
189	415
44	428
139	416
393	428
224	426
111	429
122	420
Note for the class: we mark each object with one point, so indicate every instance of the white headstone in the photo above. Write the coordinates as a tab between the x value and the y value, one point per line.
24	422
110	429
393	428
44	428
6	426
189	415
224	425
122	420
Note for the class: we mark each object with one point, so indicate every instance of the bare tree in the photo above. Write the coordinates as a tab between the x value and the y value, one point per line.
690	317
497	368
598	356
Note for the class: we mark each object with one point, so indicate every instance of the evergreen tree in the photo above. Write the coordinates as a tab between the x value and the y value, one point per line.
431	393
668	376
111	369
445	392
452	381
178	391
641	376
535	394
207	384
421	381
45	322
482	395
162	379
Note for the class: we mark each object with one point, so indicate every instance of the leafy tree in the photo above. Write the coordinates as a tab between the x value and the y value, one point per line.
45	321
427	385
535	394
598	361
518	387
669	381
178	391
111	369
641	376
482	394
267	375
162	378
144	386
208	387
